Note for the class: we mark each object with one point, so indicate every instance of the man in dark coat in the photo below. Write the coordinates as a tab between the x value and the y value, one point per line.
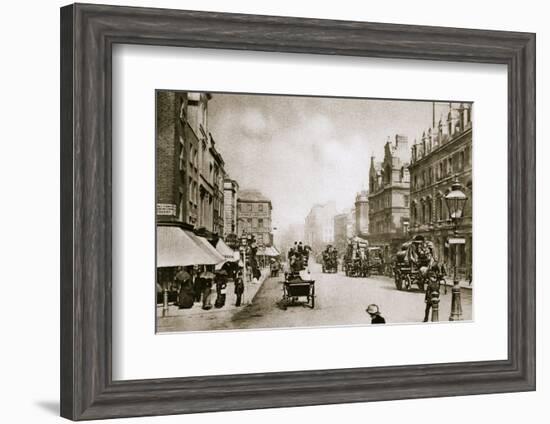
239	286
197	285
374	312
432	295
221	285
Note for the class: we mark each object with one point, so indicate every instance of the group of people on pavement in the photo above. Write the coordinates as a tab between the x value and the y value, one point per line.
199	283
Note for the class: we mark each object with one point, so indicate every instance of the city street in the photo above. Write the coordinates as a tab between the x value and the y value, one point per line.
340	300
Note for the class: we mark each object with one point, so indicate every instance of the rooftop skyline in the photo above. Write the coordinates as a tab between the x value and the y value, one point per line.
304	151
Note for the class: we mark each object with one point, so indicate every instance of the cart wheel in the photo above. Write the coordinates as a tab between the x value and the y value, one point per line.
407	280
398	283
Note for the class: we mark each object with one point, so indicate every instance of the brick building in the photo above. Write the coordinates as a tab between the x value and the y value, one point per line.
389	186
254	216
190	171
443	154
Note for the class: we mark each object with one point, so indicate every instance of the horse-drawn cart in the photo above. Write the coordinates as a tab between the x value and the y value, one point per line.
414	262
298	292
329	260
356	258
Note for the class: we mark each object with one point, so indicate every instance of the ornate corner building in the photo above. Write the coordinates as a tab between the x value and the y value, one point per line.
443	154
388	200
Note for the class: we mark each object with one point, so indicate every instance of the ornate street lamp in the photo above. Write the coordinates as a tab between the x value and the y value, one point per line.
456	200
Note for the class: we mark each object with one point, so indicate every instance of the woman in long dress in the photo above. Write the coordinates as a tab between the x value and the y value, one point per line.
184	283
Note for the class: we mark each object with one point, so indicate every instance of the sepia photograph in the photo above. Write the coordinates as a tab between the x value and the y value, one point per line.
286	211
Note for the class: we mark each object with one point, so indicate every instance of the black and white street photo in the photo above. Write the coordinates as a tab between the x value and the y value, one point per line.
283	211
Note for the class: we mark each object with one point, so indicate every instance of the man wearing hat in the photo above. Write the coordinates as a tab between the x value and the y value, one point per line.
374	313
239	285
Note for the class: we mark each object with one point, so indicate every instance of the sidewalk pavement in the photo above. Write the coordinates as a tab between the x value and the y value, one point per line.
250	290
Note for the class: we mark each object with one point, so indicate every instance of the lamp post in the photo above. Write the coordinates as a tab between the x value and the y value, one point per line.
243	246
456	200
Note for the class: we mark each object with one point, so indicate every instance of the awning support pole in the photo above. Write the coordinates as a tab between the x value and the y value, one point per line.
165	302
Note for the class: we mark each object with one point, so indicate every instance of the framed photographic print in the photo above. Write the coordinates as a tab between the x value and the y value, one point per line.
265	212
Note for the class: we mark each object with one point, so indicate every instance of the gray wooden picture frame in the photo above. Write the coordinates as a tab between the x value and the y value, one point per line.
88	33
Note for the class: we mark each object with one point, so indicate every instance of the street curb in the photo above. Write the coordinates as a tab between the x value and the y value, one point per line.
259	284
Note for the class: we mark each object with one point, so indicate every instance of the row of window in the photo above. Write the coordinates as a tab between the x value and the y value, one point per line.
255	223
385	202
431	141
248	207
422	213
381	226
445	168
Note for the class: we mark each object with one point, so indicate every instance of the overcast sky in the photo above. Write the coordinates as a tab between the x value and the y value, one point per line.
299	151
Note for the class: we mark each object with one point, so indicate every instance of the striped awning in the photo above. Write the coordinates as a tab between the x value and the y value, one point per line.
207	247
178	247
227	253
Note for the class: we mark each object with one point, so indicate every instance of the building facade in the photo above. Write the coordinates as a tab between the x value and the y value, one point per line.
319	226
190	171
362	213
217	181
341	231
254	216
443	154
230	193
389	200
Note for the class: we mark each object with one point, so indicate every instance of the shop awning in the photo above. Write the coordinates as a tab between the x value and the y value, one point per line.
271	251
227	253
208	248
176	247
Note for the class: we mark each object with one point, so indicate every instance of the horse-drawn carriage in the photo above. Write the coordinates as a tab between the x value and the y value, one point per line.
414	263
329	259
298	291
356	263
375	260
298	288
